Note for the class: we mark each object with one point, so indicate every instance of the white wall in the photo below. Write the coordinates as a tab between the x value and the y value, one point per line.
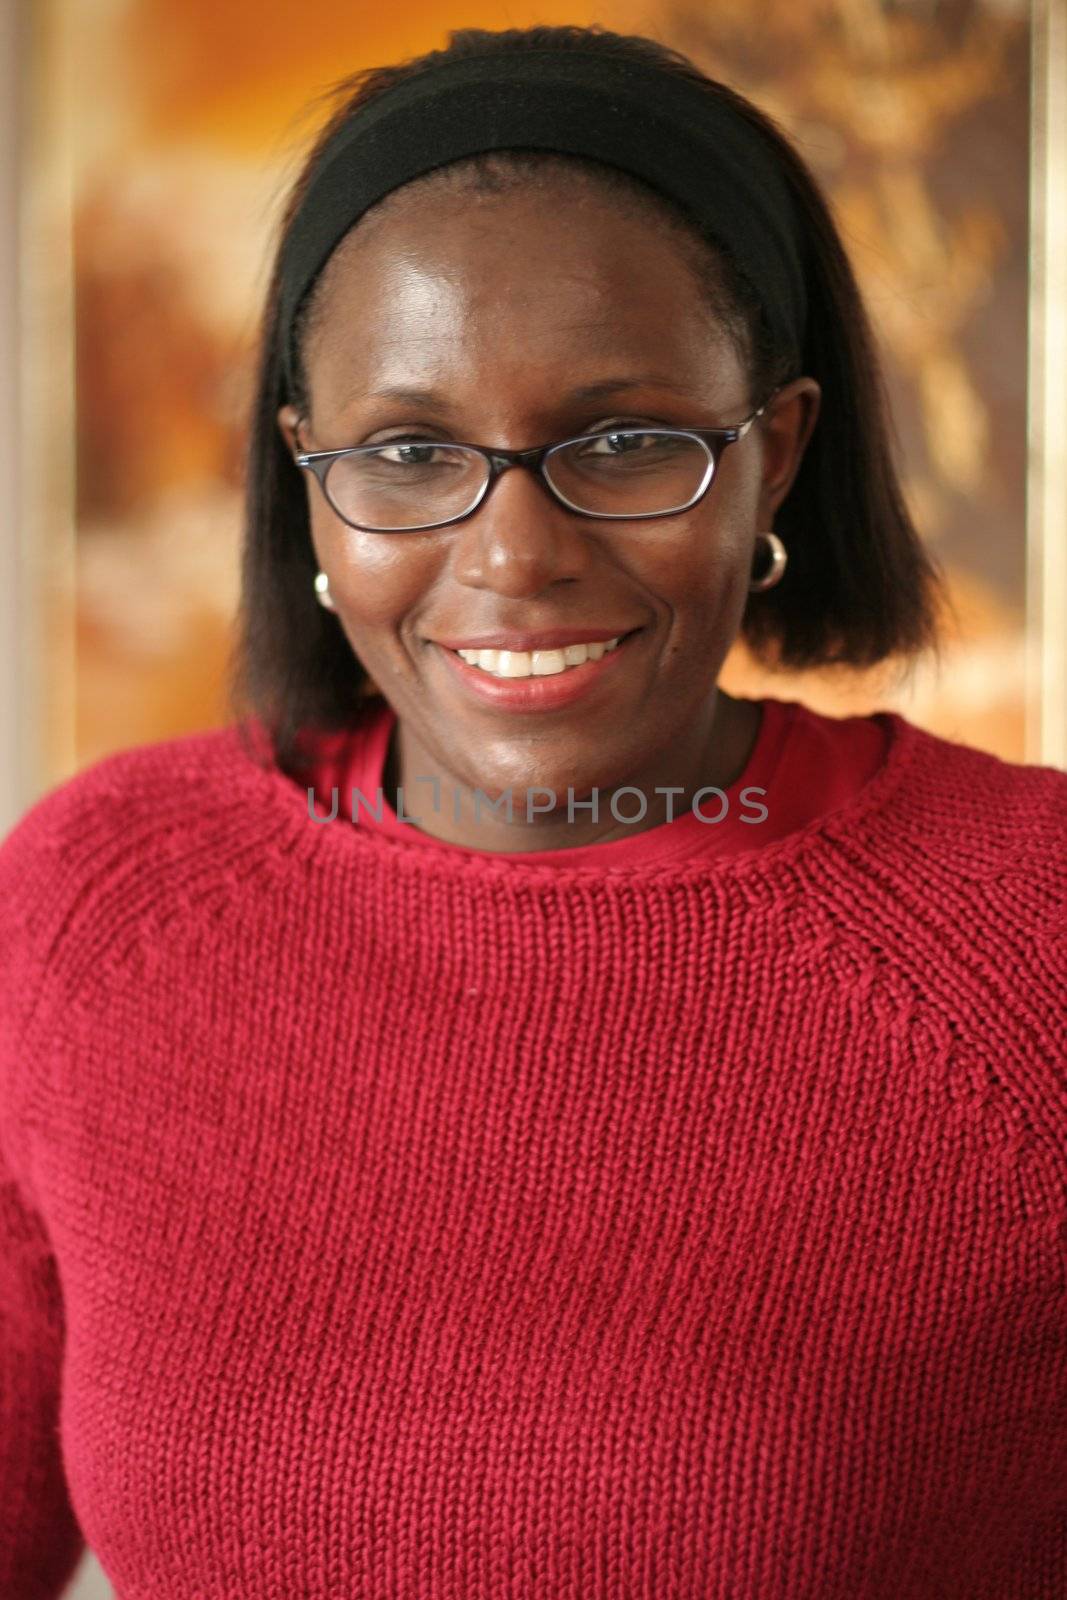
13	718
24	747
37	432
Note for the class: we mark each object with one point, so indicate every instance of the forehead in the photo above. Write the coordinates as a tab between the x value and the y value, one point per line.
559	274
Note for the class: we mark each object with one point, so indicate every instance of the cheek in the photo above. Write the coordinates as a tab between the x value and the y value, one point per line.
723	539
703	569
376	581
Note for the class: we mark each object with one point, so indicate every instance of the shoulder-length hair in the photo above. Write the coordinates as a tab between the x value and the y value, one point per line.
861	587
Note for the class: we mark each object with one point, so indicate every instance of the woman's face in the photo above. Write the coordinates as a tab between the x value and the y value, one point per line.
503	308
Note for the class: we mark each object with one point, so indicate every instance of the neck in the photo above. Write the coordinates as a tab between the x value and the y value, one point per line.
445	808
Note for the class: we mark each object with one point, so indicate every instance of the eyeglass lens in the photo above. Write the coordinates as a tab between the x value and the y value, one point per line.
629	473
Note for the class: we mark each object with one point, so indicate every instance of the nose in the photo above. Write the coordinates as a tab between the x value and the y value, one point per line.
521	539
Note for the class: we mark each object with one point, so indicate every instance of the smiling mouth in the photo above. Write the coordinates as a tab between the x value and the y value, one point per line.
517	665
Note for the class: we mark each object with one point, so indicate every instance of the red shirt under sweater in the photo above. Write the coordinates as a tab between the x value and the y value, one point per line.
802	766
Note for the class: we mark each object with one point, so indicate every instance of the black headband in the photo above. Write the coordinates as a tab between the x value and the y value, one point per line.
678	137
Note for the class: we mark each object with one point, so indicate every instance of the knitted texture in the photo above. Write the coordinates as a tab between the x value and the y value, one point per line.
379	1223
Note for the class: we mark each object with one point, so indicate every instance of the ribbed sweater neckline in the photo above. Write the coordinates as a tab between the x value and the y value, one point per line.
341	846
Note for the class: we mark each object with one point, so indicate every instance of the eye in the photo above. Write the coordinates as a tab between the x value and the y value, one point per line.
403	438
624	436
410	452
620	442
616	425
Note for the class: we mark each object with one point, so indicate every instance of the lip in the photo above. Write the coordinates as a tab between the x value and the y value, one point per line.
541	693
545	639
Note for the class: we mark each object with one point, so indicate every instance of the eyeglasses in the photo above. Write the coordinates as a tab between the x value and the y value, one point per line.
410	484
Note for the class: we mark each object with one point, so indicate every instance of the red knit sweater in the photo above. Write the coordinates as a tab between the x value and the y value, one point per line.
383	1222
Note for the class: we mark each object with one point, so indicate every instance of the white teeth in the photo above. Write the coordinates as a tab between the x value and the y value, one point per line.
536	663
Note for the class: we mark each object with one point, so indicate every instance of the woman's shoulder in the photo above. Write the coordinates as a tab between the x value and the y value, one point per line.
942	888
957	865
155	785
120	831
986	814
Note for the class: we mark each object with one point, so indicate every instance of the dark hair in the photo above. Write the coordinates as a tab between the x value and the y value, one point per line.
861	584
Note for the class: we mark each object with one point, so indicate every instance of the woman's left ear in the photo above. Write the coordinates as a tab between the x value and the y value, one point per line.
789	427
289	420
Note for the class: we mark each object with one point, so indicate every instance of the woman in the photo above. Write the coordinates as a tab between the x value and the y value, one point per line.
625	1155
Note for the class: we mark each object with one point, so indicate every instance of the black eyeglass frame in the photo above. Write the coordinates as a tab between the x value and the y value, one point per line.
714	440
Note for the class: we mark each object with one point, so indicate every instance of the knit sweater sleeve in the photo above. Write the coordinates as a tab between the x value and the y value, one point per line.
40	1540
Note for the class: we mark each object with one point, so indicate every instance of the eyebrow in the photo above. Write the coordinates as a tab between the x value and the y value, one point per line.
585	391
